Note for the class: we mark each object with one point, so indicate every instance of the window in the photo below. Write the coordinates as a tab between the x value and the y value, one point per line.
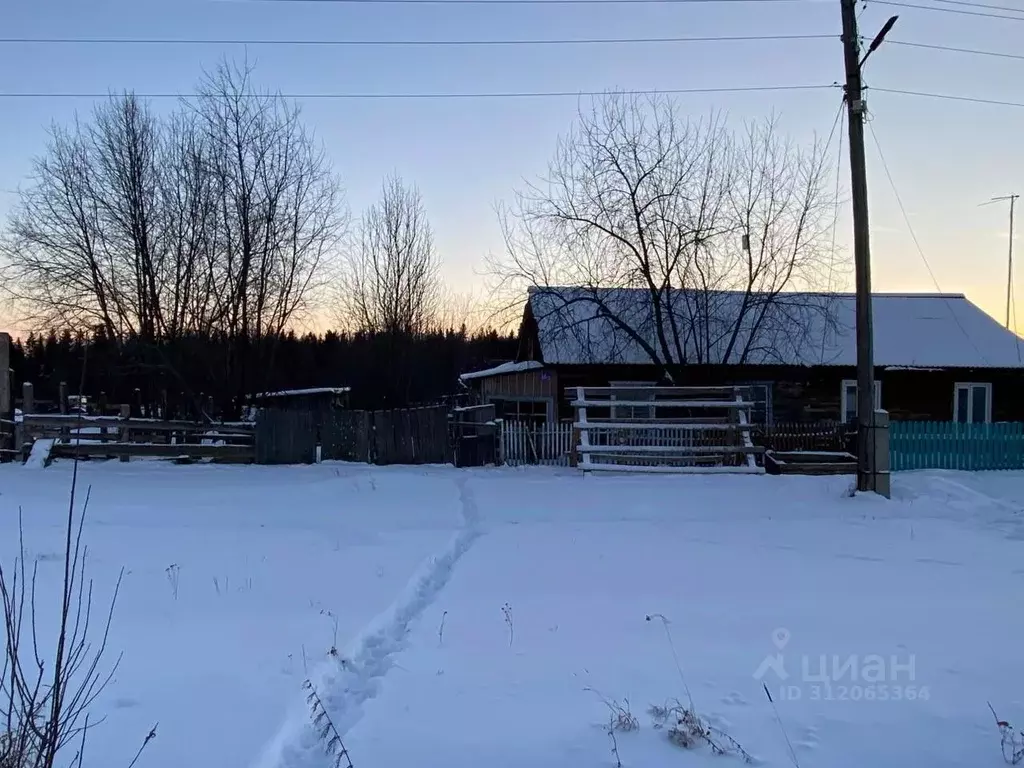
632	411
533	411
972	403
849	399
761	395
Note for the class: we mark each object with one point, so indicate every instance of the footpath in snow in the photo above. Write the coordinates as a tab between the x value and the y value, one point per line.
344	683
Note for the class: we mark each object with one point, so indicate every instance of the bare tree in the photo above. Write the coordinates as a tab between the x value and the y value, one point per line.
217	219
710	229
56	266
188	282
84	246
392	284
124	147
278	212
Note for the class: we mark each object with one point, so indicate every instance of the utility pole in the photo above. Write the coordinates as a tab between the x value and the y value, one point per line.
1009	266
856	107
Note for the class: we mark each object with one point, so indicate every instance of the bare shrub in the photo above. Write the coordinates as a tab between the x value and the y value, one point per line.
689	730
45	700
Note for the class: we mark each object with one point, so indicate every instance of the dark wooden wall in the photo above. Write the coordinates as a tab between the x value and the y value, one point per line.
800	394
536	383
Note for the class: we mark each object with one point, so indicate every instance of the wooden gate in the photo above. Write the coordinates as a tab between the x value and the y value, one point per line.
399	436
664	429
285	436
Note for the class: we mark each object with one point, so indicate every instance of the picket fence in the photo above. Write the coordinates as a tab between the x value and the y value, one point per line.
951	445
528	443
551	444
912	444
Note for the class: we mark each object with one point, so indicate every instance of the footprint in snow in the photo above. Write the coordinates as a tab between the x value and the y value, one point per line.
735	698
809	738
936	561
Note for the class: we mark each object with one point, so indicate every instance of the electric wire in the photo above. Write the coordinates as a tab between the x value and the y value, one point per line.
917	243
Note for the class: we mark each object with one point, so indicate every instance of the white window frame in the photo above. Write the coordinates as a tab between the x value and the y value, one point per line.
632	408
970	386
769	405
844	398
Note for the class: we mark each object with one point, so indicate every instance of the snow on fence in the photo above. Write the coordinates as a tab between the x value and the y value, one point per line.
524	442
952	445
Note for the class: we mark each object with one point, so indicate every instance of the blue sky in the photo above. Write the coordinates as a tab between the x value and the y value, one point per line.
945	156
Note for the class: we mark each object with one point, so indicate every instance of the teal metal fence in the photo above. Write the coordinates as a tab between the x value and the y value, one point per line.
951	445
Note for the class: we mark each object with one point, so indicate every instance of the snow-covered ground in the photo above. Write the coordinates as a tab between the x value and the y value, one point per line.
480	617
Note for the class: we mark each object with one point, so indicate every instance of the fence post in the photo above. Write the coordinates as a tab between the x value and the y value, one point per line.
62	402
500	427
126	412
880	435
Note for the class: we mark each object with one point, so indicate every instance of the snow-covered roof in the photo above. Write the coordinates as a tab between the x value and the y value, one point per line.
585	326
300	392
526	365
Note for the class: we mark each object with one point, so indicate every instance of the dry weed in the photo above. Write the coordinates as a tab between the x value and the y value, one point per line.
1011	742
689	730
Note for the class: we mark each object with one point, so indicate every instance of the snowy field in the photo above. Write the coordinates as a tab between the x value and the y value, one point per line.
481	617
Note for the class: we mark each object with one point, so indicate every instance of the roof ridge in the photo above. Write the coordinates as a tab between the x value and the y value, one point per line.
834	294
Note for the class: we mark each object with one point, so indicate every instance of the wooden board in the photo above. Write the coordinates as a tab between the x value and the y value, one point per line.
72	449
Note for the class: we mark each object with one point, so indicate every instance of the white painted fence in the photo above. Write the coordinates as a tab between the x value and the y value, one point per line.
524	442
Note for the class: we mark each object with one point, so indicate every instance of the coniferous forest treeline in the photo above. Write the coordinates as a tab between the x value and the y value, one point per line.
197	375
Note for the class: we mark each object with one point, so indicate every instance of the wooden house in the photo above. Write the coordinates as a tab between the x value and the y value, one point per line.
937	356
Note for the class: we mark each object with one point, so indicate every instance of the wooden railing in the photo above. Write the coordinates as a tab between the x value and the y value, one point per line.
664	429
124	437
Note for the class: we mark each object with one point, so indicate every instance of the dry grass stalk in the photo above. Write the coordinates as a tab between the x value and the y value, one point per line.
621	719
1011	742
325	729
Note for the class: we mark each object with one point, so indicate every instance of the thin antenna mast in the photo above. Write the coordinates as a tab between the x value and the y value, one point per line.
1009	265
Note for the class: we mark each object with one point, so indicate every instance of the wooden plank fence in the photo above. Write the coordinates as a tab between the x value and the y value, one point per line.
399	436
951	445
109	436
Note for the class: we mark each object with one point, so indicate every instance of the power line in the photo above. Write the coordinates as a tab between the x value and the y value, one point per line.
429	96
917	243
509	94
950	97
974	51
900	4
839	121
1010	8
527	2
305	42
